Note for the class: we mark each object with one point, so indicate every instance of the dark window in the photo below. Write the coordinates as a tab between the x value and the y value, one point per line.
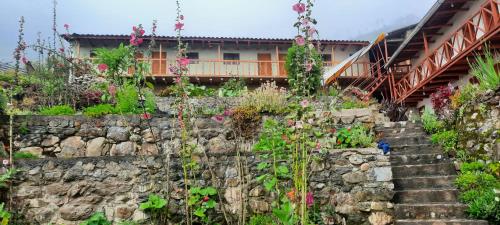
231	57
327	58
193	57
92	53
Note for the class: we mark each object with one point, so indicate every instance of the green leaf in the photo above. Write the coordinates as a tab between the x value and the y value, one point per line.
269	184
262	165
210	204
282	171
261	177
200	212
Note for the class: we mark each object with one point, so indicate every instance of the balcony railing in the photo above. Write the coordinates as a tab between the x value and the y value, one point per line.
239	68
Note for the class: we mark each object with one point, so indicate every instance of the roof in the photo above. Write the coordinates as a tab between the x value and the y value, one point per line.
111	37
435	19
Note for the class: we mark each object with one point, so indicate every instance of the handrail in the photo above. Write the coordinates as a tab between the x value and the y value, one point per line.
477	29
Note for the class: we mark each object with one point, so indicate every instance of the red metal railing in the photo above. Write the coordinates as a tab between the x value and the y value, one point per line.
476	30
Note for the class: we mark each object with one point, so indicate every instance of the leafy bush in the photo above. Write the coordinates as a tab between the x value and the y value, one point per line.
267	98
357	136
24	155
149	101
153	203
3	101
430	122
261	220
353	104
485	70
361	136
246	121
127	99
446	139
118	59
6	176
202	199
194	90
303	83
99	110
232	88
441	98
57	110
477	186
4	215
96	219
468	93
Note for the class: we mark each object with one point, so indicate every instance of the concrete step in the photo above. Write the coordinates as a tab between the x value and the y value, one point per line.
407	140
441	222
413	183
407	171
431	211
415	159
415	149
426	196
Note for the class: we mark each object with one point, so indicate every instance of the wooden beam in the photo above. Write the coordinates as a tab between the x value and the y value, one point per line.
444	12
438	26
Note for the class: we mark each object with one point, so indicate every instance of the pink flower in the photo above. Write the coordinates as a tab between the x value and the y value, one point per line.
5	162
146	116
177	80
142	32
183	62
312	31
61	50
228	112
179	26
309	67
181	17
304	103
24	60
299	8
305	22
300	40
102	67
290	123
318	146
66	26
112	90
218	118
309	199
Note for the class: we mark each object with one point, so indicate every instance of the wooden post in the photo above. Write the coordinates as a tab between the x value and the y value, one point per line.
277	61
78	50
219	61
161	59
333	55
426	45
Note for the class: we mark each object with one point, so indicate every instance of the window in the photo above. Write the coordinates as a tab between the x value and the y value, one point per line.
327	58
193	57
233	57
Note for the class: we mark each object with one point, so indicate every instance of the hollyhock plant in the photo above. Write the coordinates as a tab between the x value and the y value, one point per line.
309	199
183	62
299	8
179	25
24	60
102	67
146	116
112	90
218	118
66	26
5	162
300	40
304	103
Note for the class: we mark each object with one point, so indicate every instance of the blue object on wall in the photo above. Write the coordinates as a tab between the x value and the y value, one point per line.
386	148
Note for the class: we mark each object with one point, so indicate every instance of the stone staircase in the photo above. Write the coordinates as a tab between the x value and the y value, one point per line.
423	179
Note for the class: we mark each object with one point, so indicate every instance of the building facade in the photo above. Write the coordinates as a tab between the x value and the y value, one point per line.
213	60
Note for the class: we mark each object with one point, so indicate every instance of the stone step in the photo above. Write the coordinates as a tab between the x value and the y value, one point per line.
389	134
407	140
395	125
415	149
441	222
426	196
406	171
431	211
414	159
413	183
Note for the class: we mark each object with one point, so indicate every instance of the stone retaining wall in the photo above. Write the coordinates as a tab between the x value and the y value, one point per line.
353	183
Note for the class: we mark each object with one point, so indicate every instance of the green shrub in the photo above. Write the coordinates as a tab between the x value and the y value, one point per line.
430	122
353	104
446	139
149	101
3	101
361	136
261	220
153	203
57	110
96	219
4	215
268	98
232	88
99	110
194	90
24	155
485	70
118	59
477	186
468	93
301	82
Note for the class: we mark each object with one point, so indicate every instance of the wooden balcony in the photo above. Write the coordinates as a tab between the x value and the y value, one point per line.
213	68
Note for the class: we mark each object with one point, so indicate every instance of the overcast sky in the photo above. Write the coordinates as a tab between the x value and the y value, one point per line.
338	19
